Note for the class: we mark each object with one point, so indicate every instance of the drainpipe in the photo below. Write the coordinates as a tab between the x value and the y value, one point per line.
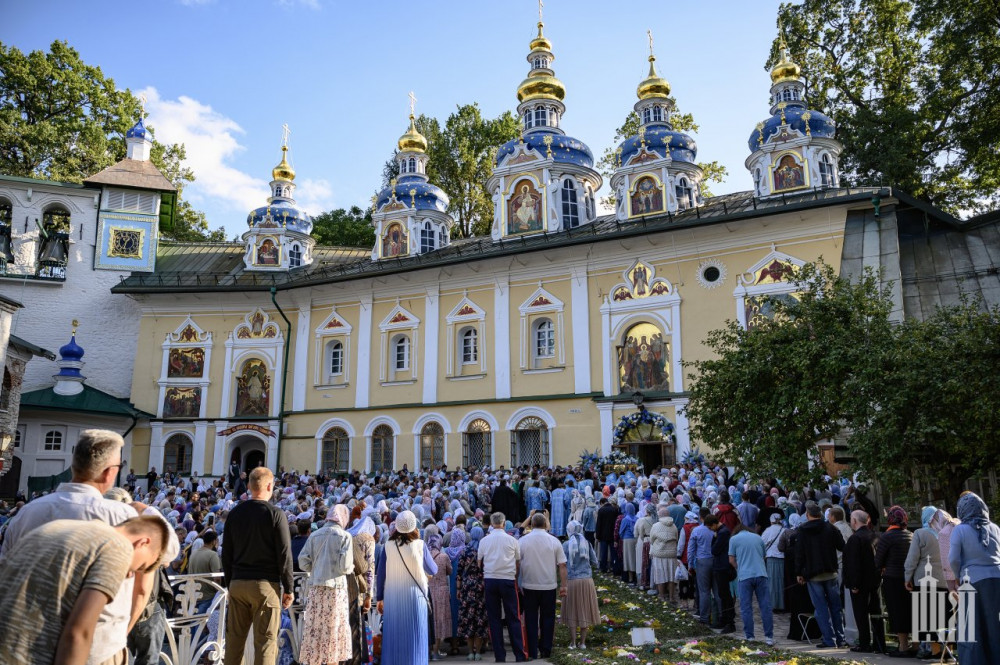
135	421
284	374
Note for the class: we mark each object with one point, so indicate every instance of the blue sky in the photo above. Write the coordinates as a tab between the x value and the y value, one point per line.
222	76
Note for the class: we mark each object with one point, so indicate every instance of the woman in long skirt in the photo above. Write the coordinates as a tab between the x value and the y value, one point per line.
456	546
775	561
472	622
975	551
360	586
329	556
401	590
440	596
642	561
579	609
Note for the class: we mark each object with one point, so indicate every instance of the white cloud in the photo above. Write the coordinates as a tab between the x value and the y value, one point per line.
314	195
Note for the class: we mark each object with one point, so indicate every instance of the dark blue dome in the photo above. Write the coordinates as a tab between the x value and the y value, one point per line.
425	195
820	125
71	351
282	213
139	132
660	138
565	149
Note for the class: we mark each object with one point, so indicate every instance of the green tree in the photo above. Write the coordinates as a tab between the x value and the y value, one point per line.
929	406
460	161
914	87
344	228
62	119
771	392
681	122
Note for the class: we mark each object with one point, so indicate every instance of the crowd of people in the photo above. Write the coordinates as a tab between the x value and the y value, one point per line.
451	558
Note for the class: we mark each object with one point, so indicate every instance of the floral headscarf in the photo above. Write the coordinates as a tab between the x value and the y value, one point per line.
897	517
456	545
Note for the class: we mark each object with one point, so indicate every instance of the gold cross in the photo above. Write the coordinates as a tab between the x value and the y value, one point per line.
649	33
540	5
285	131
413	102
142	106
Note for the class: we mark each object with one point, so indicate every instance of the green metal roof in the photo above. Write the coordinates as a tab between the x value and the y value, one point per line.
91	400
31	348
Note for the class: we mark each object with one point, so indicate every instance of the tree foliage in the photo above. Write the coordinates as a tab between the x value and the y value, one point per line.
62	119
774	390
914	87
681	122
460	161
344	228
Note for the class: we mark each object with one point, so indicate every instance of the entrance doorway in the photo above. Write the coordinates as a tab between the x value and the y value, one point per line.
11	481
248	451
254	459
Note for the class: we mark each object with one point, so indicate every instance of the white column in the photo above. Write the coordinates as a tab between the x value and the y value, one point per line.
682	428
272	446
432	307
501	349
156	445
300	369
606	347
198	450
678	365
364	353
606	411
580	316
219	461
227	380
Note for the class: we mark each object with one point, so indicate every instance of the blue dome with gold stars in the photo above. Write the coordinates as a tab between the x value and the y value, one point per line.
414	191
139	131
797	117
659	139
281	213
565	149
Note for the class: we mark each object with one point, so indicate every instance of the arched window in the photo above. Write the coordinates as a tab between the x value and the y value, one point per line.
795	94
432	445
177	454
786	95
826	170
647	116
382	448
295	256
589	199
477	444
426	238
442	237
53	248
685	195
528	119
470	346
544	338
6	225
529	443
334	358
336	456
5	391
401	353
413	164
657	114
53	440
570	207
541	116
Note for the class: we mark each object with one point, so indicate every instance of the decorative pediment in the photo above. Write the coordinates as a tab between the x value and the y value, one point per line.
775	268
641	282
334	324
643	156
466	310
521	155
188	332
257	325
541	301
398	319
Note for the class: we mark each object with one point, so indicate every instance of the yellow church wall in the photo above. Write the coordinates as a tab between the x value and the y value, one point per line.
477	380
397	387
546	376
138	451
339	393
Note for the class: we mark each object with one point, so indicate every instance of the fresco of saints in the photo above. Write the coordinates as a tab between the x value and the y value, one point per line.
788	174
642	360
253	390
267	253
525	211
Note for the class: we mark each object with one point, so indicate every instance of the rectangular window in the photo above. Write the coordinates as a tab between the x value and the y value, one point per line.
470	347
402	354
426	240
53	440
336	359
545	341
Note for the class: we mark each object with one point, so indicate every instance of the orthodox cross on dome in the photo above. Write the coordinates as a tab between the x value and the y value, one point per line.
413	102
540	5
142	106
285	131
649	33
76	324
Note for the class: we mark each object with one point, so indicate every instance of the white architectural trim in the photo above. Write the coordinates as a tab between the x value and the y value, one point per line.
432	308
419	425
364	368
463	425
745	286
323	429
301	360
466	314
399	320
382	420
198	447
370	429
501	349
334	324
580	316
682	429
541	302
527	412
606	411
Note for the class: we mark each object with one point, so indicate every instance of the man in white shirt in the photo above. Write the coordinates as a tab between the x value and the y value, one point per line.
96	461
501	558
541	556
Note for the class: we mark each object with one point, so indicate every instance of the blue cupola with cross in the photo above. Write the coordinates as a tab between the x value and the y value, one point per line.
69	380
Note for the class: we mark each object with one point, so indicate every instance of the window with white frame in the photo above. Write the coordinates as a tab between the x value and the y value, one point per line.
336	455
826	170
413	164
469	346
17	438
529	443
442	237
541	116
685	195
426	238
528	123
570	206
53	440
382	448
334	359
544	338
647	115
657	114
295	256
432	445
477	444
401	353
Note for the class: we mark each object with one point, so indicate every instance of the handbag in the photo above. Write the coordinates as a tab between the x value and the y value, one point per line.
427	599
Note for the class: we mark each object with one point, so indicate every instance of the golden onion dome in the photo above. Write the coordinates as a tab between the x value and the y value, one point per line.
785	69
284	170
653	85
540	43
412	140
540	85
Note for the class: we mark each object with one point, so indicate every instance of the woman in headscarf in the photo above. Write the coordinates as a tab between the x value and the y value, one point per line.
440	596
626	531
774	559
943	524
577	506
663	537
360	584
975	551
401	578
328	555
590	520
579	608
923	548
796	595
890	558
472	622
687	588
558	509
456	546
642	561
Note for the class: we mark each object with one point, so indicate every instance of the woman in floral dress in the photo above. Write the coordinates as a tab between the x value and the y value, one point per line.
440	595
472	622
329	556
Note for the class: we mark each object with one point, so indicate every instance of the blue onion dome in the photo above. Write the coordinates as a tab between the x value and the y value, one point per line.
139	131
71	351
659	138
413	191
807	122
281	213
564	149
